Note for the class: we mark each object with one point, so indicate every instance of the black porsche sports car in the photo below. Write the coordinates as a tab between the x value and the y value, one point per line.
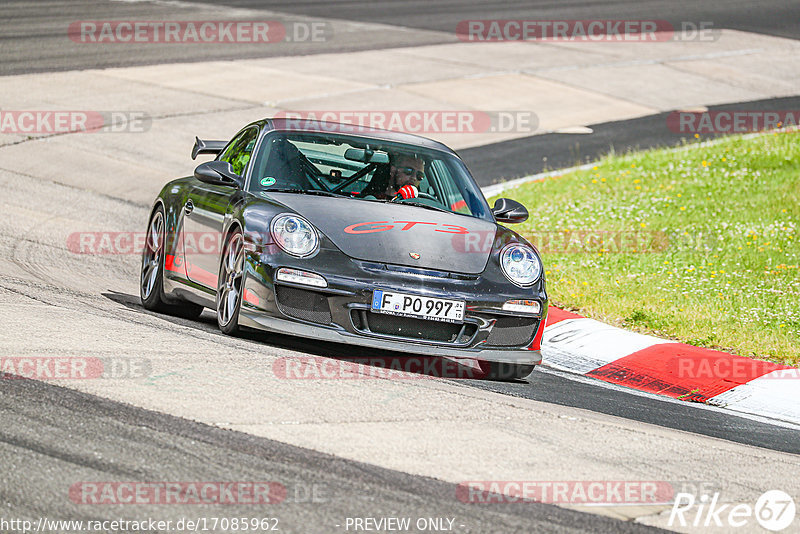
351	235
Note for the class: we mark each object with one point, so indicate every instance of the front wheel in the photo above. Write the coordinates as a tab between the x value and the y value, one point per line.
230	285
505	371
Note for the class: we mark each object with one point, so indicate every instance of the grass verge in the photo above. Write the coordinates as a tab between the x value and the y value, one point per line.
698	244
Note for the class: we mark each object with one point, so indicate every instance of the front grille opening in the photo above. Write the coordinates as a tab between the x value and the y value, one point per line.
512	331
413	271
303	304
410	328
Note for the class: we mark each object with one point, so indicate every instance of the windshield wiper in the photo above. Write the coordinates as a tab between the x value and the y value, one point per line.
318	192
421	205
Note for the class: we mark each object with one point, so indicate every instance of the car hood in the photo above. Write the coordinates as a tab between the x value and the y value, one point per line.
398	233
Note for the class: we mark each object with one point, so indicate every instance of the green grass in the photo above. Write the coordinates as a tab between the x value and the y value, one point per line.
709	243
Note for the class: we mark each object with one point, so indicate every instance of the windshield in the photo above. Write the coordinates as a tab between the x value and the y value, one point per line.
365	169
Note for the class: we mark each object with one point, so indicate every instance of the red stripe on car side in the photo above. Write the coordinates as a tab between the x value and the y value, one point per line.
537	339
251	297
201	275
178	264
174	264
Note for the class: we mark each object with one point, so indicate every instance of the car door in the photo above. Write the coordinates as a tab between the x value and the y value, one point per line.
205	209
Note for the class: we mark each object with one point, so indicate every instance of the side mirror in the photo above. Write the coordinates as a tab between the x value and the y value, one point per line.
506	210
217	173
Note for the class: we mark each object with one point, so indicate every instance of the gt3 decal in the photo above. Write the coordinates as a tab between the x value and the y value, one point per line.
403	226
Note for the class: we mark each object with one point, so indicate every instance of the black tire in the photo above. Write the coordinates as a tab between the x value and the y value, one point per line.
505	371
151	275
230	284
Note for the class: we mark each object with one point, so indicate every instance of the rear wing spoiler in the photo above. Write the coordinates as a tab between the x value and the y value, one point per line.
207	147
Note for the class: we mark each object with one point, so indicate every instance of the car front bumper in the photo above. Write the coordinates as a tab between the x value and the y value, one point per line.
263	321
346	316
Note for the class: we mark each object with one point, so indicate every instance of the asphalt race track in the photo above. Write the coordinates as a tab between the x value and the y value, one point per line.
773	17
211	409
33	41
116	440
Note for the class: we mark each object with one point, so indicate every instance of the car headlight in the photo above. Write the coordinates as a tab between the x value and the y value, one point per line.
520	264
294	234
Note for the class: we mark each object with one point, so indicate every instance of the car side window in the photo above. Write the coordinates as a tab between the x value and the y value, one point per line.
240	149
450	195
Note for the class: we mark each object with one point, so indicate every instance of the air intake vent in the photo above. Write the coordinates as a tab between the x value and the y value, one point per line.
512	331
302	304
410	328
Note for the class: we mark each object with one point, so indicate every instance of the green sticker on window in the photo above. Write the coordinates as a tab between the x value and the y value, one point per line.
268	181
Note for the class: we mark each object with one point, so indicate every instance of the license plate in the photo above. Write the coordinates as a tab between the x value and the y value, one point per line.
402	304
